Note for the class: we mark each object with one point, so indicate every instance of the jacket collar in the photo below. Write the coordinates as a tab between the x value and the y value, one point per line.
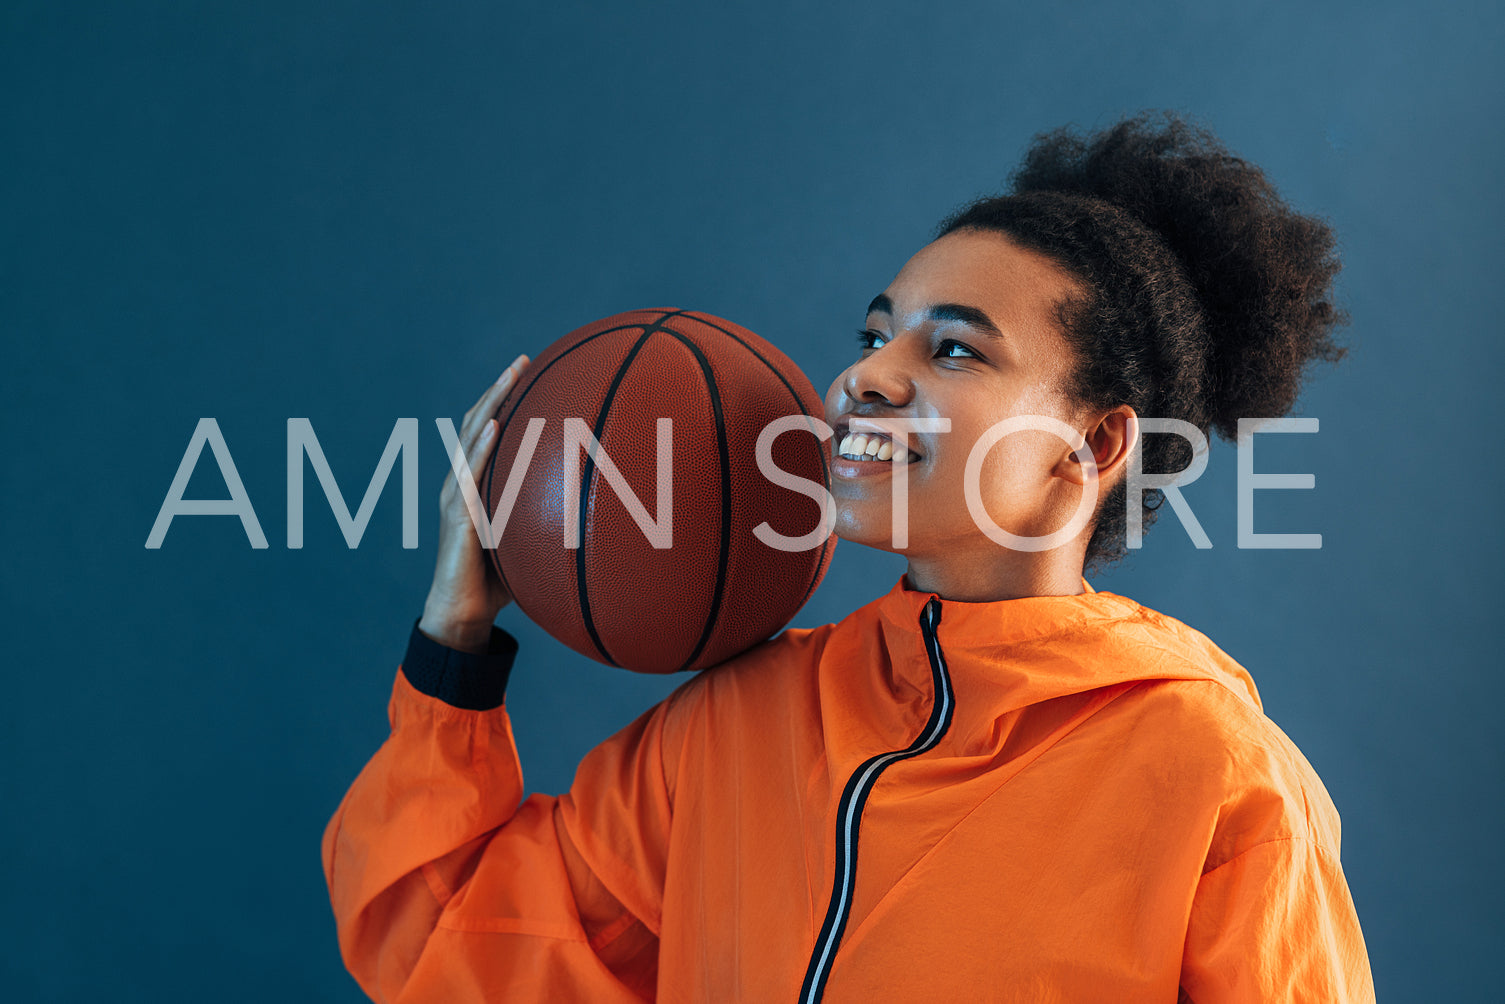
1022	651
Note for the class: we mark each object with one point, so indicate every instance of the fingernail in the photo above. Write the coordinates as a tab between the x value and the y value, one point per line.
489	430
506	376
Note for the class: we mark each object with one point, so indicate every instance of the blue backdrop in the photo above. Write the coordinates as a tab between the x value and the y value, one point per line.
356	212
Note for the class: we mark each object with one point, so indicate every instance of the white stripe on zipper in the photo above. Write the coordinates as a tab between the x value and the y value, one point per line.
869	777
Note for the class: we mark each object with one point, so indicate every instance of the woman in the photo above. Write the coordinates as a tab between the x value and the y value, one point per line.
993	783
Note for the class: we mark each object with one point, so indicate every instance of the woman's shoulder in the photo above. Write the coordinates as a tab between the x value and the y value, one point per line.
1212	732
763	672
1204	724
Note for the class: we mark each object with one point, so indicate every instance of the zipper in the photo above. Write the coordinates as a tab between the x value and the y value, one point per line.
854	797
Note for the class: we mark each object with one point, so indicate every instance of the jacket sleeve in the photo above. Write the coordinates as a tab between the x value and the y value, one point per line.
448	886
1276	923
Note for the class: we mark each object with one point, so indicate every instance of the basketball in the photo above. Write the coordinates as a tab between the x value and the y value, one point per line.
672	573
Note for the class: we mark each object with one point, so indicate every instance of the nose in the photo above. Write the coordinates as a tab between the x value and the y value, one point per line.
880	378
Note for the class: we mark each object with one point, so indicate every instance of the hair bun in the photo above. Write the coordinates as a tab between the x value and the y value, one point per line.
1261	271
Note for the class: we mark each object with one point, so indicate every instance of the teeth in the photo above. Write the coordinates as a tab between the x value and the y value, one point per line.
861	446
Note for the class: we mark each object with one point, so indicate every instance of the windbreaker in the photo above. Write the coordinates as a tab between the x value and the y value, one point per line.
1054	798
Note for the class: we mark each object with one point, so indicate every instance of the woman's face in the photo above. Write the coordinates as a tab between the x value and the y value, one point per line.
966	331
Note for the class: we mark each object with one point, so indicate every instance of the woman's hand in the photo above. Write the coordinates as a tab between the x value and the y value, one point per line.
466	594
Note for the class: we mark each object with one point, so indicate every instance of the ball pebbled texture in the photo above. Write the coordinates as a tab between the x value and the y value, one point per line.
718	590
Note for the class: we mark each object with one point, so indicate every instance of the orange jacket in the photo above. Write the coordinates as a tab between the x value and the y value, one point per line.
1059	798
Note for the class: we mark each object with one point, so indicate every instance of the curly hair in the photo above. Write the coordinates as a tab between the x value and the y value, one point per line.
1205	295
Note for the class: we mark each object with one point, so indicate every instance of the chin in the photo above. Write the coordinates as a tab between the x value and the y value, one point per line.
860	525
878	542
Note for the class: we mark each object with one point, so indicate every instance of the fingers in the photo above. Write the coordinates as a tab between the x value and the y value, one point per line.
478	452
477	434
477	455
485	408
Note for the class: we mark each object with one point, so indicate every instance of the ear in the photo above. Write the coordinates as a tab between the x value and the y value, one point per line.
1112	438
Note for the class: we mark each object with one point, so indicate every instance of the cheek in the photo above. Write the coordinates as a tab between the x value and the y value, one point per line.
1016	468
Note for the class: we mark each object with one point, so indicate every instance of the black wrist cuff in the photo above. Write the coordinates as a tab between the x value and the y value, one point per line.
474	681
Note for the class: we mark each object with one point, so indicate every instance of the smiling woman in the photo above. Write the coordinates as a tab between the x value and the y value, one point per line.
992	783
934	351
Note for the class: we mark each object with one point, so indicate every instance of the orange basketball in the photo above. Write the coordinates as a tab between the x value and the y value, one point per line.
716	589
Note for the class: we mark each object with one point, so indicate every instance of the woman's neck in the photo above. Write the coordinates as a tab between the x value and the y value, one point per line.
1007	575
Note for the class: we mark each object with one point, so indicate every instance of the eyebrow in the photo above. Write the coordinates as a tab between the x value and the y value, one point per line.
943	312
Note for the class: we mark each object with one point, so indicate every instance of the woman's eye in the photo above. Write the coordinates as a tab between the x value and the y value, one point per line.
868	339
949	349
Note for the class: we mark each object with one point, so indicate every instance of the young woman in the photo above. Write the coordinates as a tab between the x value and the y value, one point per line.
994	783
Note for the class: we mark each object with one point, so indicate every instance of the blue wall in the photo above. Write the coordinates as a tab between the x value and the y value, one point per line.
358	212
